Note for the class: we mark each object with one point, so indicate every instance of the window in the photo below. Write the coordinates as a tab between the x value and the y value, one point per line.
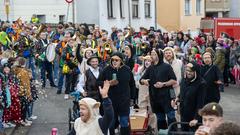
121	5
198	7
147	7
135	6
110	8
61	18
187	7
42	18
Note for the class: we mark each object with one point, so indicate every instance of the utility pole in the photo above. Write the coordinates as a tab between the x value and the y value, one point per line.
129	14
155	14
73	11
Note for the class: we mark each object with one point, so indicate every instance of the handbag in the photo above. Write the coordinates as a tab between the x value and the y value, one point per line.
65	69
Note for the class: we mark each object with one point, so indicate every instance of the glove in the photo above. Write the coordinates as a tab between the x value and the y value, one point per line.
76	94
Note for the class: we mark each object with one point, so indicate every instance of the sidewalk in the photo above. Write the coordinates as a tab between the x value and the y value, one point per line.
10	131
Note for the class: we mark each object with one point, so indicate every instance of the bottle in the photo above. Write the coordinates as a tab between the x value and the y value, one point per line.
54	131
114	76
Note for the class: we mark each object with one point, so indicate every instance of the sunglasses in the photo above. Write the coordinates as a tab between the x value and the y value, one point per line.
116	60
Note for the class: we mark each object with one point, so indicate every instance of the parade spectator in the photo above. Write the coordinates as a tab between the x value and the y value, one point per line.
179	38
121	91
12	111
177	65
213	77
219	60
160	78
87	84
212	117
226	128
129	56
211	42
143	95
186	44
191	97
24	76
90	121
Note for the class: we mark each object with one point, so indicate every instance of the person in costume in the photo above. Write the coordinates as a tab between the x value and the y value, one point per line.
90	121
160	78
12	113
45	65
121	92
24	76
87	84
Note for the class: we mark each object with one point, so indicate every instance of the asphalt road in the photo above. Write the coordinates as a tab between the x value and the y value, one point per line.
52	111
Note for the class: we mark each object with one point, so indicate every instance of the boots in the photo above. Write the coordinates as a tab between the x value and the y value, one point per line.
125	131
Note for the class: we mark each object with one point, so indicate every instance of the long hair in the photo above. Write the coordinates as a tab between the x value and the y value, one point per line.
159	54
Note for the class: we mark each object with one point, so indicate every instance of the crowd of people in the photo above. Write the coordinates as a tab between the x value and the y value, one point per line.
172	75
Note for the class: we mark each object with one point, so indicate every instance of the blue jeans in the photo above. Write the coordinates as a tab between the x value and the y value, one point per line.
1	121
123	121
60	80
46	67
31	65
55	69
161	119
30	109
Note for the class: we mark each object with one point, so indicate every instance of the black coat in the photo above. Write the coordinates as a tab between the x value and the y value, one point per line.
210	75
159	98
123	91
191	97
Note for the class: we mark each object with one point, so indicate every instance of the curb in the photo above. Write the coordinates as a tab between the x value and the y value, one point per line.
10	131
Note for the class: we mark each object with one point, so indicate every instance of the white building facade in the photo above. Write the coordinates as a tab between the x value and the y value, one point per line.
121	13
105	13
49	11
234	8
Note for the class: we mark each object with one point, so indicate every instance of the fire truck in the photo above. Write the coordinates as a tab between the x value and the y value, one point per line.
221	27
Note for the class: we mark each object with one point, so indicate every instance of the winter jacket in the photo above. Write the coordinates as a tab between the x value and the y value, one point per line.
121	93
220	58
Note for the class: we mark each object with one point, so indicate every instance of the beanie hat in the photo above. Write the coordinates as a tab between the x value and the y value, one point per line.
211	109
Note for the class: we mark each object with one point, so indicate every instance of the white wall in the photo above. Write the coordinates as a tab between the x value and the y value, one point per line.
87	11
142	21
107	23
25	8
234	8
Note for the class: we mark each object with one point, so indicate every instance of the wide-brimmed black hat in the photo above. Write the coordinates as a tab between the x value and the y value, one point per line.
92	57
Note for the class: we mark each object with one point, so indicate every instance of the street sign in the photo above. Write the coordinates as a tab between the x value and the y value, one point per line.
69	1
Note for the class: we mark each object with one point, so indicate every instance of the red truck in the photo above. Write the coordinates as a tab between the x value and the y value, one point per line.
219	26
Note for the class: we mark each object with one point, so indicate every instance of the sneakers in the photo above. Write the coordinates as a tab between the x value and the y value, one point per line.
9	125
66	96
33	117
26	123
